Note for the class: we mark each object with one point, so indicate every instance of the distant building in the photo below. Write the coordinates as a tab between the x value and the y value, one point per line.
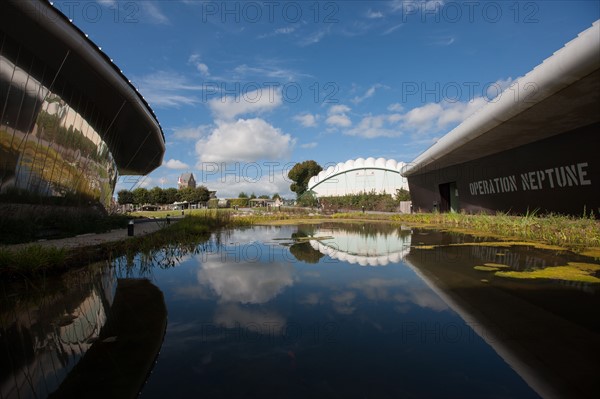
186	180
359	176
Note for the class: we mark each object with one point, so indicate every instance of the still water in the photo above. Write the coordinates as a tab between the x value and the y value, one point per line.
359	312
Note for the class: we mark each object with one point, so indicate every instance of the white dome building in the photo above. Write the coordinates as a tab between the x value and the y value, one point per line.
357	176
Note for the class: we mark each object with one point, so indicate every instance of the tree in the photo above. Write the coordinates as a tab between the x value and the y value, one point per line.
140	196
252	196
187	194
264	196
242	195
201	194
276	196
171	195
157	196
301	173
402	195
124	197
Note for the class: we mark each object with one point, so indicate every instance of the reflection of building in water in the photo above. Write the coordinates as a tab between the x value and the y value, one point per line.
556	357
372	249
44	338
69	119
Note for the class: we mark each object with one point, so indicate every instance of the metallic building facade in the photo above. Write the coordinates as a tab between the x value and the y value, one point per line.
70	122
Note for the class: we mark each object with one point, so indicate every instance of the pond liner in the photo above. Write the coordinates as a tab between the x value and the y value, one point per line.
119	363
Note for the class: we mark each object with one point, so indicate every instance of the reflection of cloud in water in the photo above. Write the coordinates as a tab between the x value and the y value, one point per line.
342	302
256	320
311	299
245	282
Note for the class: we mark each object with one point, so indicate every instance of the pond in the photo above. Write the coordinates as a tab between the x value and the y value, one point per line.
330	310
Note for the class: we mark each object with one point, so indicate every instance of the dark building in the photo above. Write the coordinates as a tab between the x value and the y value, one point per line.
70	121
534	148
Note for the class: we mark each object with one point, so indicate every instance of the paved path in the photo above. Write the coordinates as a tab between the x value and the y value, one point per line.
141	228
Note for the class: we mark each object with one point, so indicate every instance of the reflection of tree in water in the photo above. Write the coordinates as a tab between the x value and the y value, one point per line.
303	251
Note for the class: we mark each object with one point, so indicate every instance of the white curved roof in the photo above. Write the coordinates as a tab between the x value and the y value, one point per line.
507	121
360	163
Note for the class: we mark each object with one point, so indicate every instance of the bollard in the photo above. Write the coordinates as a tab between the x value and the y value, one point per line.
363	209
168	220
130	228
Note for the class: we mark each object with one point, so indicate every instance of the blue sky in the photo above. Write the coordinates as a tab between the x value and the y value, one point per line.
245	89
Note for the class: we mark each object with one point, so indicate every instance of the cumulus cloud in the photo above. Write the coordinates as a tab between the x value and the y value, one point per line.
176	164
337	116
245	140
373	126
307	120
257	101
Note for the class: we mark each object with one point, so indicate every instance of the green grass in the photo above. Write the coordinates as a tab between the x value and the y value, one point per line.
573	271
31	260
566	231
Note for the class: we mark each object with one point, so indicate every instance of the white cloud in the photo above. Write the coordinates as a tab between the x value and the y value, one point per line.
269	69
373	126
338	109
396	107
175	164
314	37
200	66
337	116
340	120
368	94
153	12
167	89
108	3
392	29
191	133
257	101
245	140
307	120
374	14
312	144
496	88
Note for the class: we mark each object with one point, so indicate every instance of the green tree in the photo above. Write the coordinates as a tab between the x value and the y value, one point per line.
187	194
140	196
201	194
171	195
301	173
242	195
276	196
157	196
264	196
124	197
252	196
402	195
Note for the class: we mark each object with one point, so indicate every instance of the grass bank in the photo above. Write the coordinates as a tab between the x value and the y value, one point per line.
175	239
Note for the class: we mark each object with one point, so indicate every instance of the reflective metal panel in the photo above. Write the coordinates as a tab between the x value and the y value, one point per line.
50	153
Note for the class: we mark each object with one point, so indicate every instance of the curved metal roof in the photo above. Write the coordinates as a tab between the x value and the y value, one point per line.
355	164
136	137
560	94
